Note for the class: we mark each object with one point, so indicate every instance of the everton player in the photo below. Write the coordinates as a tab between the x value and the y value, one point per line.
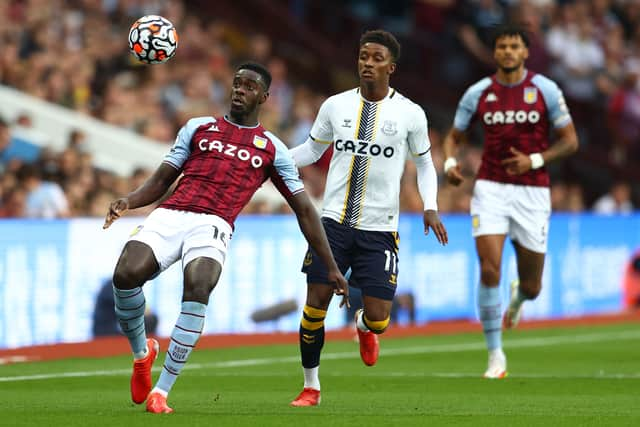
517	109
373	129
223	161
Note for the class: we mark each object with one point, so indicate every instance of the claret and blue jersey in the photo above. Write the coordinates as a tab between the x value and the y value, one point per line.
519	116
223	164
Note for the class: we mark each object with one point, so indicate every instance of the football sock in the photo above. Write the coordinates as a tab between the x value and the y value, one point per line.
311	378
375	326
129	307
311	336
183	339
489	308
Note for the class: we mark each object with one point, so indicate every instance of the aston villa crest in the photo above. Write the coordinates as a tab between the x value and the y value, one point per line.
530	95
389	128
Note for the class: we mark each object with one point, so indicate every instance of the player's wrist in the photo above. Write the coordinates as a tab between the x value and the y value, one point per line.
537	161
449	163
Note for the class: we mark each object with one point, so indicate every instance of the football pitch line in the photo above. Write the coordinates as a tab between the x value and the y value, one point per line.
426	349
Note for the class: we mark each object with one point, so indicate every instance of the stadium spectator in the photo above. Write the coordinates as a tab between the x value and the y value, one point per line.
45	199
616	201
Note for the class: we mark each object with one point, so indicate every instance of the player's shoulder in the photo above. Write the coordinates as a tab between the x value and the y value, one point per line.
342	97
196	122
480	86
543	82
404	102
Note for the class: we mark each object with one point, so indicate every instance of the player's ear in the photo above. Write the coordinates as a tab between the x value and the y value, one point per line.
264	97
392	68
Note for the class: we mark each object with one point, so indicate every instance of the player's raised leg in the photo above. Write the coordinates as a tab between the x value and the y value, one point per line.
136	265
489	249
530	268
200	277
311	336
372	321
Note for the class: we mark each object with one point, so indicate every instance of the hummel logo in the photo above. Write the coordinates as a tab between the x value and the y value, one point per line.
491	97
347	123
213	128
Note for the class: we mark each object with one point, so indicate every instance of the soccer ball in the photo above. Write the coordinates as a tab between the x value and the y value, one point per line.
153	39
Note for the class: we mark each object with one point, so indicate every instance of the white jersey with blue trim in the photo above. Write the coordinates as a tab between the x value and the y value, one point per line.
371	142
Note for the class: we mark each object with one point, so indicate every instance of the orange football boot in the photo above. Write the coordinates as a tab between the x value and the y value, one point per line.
157	404
141	376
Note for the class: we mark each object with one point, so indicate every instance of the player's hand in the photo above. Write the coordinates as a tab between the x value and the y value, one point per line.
432	220
116	208
454	175
341	286
518	163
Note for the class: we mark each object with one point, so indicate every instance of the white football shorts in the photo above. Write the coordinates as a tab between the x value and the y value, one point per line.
521	211
174	235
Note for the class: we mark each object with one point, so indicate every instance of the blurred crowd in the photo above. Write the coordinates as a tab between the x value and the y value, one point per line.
74	53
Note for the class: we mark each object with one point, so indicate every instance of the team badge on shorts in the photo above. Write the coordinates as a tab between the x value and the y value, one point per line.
475	222
308	259
530	95
389	128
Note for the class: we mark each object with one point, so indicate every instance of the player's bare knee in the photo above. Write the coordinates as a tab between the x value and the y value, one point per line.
126	277
198	292
530	290
490	274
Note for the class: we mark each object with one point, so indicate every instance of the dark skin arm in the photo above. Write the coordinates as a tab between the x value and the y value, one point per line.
152	190
450	147
313	231
431	219
565	145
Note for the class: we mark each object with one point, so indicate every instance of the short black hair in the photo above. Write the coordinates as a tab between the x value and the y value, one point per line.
509	30
258	68
384	38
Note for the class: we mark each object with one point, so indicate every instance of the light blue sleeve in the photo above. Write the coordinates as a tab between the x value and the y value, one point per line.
559	114
469	104
181	148
286	177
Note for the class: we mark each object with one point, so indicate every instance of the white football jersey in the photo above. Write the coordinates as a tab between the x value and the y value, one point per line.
371	141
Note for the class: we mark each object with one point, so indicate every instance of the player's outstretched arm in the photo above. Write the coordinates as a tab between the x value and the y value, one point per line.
314	233
450	147
152	189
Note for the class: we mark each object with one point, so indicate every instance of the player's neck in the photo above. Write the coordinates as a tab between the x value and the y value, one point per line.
374	93
511	77
246	120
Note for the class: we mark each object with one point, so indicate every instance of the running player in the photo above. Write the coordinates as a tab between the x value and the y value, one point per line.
223	161
517	109
372	129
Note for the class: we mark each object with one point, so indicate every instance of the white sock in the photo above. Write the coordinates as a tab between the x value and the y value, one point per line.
360	323
311	378
141	354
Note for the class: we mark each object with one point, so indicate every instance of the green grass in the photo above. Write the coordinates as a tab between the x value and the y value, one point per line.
588	376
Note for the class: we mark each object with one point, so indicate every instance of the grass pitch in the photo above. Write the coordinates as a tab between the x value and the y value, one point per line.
585	376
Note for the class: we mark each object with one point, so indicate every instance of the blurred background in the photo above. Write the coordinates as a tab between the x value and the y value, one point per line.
82	122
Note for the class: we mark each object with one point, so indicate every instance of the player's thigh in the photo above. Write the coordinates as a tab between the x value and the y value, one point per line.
530	264
530	217
208	236
490	208
136	265
161	232
375	264
340	239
